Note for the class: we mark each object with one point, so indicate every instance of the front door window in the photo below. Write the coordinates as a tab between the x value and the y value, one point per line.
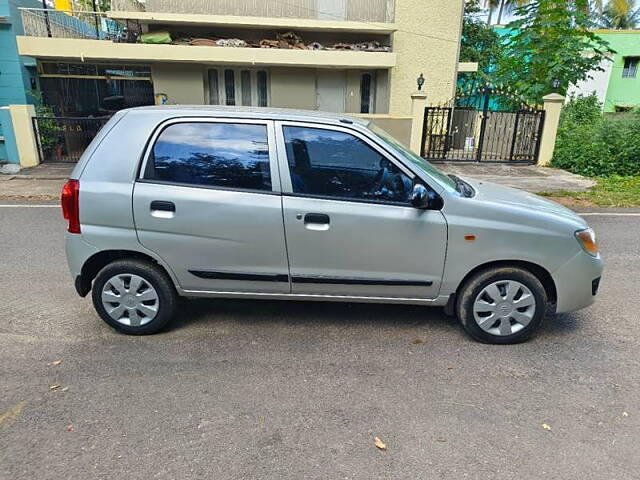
330	163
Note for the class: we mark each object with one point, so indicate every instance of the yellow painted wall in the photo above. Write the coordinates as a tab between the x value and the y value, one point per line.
293	88
182	83
436	58
397	127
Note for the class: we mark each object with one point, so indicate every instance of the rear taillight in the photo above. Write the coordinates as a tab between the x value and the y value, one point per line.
70	200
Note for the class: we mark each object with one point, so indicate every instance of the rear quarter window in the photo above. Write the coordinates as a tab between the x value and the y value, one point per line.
228	155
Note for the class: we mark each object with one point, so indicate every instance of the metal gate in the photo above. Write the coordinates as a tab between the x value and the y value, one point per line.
483	125
63	139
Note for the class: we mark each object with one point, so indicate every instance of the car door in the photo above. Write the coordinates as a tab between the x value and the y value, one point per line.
208	203
350	227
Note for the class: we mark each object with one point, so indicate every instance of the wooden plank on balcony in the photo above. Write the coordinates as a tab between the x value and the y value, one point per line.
102	50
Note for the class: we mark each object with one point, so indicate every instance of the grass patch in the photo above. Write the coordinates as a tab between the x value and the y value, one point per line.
609	192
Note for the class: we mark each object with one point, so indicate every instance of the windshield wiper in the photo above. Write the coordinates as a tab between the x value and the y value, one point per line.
462	187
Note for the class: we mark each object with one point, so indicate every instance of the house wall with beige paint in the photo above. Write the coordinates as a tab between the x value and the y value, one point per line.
423	36
432	49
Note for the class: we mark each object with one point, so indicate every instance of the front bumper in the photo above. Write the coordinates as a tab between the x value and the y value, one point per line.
577	282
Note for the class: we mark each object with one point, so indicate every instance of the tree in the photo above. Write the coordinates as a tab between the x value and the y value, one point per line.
552	43
620	14
502	6
88	5
480	43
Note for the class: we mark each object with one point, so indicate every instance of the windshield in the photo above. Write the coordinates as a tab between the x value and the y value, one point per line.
413	157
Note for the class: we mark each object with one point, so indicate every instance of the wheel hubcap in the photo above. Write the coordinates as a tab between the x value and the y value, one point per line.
130	300
504	307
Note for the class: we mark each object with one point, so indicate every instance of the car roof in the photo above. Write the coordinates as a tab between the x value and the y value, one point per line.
263	113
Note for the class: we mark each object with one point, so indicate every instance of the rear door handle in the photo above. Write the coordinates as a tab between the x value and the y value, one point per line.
163	205
316	218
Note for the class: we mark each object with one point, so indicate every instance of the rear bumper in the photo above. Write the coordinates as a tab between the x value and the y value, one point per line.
78	251
577	282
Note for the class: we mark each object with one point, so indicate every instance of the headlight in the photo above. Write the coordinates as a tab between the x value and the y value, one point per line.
587	240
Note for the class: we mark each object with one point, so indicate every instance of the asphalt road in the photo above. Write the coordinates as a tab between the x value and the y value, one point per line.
241	389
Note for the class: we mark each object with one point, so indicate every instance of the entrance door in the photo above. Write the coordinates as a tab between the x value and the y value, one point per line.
350	228
331	90
208	204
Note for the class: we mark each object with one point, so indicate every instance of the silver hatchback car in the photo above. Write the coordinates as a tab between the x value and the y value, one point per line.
172	202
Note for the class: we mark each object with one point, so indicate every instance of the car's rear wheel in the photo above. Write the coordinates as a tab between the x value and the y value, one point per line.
134	297
502	305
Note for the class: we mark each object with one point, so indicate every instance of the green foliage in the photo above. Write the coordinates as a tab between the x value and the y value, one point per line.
87	5
50	131
620	14
480	43
549	44
593	145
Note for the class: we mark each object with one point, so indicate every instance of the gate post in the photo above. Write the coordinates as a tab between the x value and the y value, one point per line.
552	107
418	104
25	138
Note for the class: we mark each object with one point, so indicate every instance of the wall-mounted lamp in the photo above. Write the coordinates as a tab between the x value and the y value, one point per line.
420	81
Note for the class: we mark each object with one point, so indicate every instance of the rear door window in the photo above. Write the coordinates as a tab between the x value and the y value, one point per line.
227	155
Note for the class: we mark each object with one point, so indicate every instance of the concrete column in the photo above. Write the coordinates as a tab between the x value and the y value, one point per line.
552	107
24	135
418	104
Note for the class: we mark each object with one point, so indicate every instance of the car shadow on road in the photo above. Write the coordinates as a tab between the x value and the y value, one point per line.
204	311
304	313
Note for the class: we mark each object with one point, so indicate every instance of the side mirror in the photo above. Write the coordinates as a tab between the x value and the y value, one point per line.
423	198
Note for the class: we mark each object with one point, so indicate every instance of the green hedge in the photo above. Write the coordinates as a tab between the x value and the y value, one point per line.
591	144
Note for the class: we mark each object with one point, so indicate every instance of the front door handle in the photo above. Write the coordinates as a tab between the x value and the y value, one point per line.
317	221
162	209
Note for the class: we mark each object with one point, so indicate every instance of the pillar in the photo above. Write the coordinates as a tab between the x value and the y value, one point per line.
418	104
552	106
25	139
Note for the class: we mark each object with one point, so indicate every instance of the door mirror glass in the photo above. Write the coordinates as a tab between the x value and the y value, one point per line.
422	197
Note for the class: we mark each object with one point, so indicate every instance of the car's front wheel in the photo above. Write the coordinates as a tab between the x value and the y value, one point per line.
134	297
502	305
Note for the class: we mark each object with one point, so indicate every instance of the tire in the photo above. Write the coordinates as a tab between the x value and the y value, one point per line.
490	319
155	292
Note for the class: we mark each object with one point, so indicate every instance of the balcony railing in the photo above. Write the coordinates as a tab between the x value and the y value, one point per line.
339	10
40	22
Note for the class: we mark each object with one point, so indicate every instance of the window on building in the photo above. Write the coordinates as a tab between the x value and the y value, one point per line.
214	94
262	88
338	164
630	67
365	93
230	155
230	87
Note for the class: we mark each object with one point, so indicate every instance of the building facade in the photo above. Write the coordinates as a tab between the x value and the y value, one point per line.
353	56
617	82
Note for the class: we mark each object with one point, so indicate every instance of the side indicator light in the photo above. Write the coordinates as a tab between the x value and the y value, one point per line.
470	238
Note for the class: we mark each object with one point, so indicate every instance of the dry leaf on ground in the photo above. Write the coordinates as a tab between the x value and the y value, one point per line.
378	443
546	427
417	341
56	363
54	387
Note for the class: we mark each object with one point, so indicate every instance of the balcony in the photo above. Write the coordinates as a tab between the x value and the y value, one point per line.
89	36
381	11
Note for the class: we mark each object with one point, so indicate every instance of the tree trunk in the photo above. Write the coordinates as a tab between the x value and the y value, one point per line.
501	11
488	19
